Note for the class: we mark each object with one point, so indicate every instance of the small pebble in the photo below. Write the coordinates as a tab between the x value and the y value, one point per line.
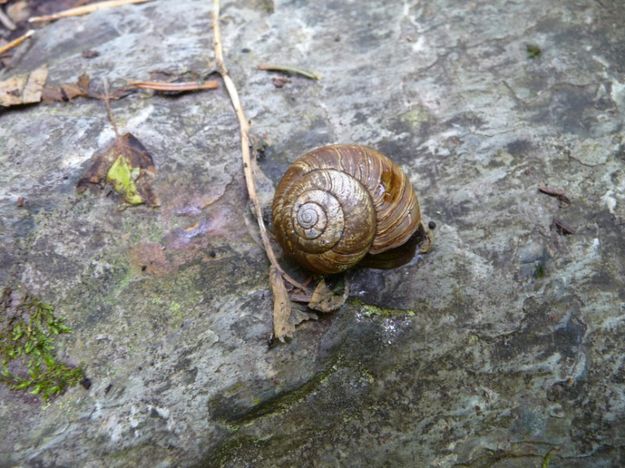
90	53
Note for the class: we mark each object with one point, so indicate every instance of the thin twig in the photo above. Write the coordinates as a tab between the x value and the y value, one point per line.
83	10
176	87
248	163
290	70
16	42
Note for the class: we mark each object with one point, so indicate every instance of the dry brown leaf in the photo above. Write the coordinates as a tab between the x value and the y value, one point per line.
325	300
299	316
128	167
285	317
23	89
68	91
282	326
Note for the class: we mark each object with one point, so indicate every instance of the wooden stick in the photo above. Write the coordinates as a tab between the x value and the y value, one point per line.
83	10
248	163
16	42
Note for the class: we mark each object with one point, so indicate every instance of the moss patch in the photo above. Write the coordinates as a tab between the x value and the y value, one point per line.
27	361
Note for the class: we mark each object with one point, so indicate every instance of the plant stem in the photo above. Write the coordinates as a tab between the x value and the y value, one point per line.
248	162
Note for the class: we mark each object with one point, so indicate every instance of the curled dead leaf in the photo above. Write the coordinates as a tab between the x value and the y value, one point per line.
282	326
325	299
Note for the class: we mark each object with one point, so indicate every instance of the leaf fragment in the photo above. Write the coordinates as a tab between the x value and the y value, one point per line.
122	177
23	89
68	91
128	167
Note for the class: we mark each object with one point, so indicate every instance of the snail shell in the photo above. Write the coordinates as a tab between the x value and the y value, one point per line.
337	203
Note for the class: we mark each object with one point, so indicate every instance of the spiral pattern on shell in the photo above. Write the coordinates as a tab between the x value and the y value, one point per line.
337	203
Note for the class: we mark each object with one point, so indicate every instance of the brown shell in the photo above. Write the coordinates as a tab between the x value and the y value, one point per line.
337	203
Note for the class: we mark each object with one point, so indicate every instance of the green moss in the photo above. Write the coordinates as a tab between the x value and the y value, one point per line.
122	176
371	310
27	360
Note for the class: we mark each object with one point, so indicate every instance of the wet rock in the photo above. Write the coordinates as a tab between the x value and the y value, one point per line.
463	350
532	258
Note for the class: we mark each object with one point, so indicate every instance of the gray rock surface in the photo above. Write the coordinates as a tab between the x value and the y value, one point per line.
502	347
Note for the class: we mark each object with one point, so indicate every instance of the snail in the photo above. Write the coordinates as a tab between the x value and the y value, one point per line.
338	204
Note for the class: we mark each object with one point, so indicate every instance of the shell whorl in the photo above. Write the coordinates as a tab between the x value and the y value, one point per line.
337	203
